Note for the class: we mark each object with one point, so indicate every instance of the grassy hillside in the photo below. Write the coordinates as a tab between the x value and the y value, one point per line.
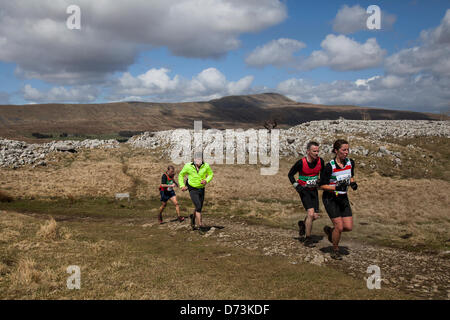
20	122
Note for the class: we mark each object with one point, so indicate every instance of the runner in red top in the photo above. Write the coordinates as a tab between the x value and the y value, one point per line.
309	169
167	193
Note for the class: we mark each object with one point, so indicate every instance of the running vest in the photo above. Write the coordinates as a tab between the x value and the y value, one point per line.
308	177
169	181
339	174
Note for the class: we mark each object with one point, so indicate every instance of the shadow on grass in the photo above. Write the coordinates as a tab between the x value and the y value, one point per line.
315	238
71	209
342	250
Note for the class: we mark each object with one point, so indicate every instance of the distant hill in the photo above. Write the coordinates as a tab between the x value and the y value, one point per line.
18	121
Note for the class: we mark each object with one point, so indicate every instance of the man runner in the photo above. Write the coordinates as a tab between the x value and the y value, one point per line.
337	176
199	174
309	168
167	193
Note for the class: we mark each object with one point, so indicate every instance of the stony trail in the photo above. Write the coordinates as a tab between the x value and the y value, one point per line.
424	276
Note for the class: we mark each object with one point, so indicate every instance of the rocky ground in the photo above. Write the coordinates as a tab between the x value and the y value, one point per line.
423	276
14	154
364	136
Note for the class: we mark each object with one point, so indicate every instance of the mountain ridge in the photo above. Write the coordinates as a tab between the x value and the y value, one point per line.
240	111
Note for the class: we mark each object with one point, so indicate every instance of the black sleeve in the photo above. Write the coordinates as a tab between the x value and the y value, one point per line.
325	175
297	167
322	166
353	167
164	179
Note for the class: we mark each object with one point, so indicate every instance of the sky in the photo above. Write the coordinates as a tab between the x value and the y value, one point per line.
196	50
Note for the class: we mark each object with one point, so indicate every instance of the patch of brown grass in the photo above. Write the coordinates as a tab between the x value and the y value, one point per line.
4	197
25	273
91	173
49	230
8	234
3	269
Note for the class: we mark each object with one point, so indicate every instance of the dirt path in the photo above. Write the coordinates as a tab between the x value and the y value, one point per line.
423	276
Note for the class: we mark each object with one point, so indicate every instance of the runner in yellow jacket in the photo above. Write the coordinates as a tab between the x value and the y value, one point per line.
199	174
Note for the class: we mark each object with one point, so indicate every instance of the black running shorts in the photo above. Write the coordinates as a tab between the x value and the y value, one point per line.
166	195
197	197
336	206
310	198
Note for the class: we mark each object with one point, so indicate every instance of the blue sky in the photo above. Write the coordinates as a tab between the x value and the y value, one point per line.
317	52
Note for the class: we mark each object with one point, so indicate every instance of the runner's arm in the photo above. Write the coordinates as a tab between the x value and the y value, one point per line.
209	173
164	182
297	167
353	170
321	173
325	176
181	175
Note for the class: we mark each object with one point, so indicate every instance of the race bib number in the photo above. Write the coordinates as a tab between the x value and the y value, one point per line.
169	189
311	183
344	178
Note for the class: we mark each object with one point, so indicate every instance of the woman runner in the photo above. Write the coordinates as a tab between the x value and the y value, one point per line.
338	175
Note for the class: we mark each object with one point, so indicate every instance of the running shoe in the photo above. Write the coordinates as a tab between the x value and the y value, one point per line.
181	219
328	230
160	219
309	243
302	228
336	255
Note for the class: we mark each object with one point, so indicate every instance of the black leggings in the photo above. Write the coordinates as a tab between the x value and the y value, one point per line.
197	197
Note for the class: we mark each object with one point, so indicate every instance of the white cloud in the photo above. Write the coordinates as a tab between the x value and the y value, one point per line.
432	56
60	94
365	82
439	35
276	52
241	86
353	19
392	81
425	94
343	54
338	52
35	37
415	78
154	81
156	84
